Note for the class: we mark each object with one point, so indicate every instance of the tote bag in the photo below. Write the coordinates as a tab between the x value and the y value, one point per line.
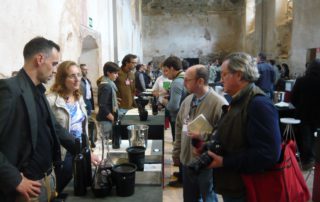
283	183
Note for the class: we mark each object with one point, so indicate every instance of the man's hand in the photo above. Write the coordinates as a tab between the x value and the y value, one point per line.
164	101
217	161
28	188
95	160
176	161
118	100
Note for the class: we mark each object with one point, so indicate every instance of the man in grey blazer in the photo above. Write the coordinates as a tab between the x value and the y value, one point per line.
30	137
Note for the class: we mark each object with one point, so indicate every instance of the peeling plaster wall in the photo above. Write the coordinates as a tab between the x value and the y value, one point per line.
192	36
305	32
129	29
21	21
65	22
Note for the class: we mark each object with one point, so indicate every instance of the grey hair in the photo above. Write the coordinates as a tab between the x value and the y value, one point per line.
245	63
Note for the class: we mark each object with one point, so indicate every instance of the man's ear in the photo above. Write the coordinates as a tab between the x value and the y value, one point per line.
39	59
200	81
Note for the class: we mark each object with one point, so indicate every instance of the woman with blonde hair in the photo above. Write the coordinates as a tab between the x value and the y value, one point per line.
69	109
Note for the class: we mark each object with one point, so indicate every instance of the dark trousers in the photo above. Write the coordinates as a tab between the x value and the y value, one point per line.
66	172
307	134
91	132
198	187
88	106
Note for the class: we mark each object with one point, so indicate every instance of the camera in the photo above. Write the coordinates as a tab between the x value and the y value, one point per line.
204	159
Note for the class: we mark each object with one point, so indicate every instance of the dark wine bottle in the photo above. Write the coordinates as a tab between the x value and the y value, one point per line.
154	105
87	157
79	185
116	134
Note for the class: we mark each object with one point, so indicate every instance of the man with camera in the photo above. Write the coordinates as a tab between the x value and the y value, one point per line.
202	100
248	131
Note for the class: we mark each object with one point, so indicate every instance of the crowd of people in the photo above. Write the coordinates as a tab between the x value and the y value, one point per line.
245	123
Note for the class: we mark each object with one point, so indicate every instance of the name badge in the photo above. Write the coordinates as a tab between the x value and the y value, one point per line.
127	82
185	129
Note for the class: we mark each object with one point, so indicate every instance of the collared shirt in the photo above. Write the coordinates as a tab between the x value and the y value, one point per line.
88	89
41	159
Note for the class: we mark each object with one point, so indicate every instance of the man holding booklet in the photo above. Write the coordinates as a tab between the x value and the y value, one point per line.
206	104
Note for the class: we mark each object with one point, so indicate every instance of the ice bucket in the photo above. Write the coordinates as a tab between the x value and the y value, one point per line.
138	135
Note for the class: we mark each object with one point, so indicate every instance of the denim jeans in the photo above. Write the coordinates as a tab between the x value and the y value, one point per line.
197	187
47	190
88	106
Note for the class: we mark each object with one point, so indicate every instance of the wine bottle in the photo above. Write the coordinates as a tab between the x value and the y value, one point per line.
79	185
116	134
87	157
154	105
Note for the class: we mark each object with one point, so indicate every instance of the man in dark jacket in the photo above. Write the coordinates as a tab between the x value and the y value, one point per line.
266	79
29	134
86	89
248	131
305	96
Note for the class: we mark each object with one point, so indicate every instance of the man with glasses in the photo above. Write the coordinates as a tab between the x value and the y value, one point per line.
203	100
248	132
126	84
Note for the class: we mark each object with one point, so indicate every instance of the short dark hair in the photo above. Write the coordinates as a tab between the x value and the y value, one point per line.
37	45
185	64
128	59
110	67
202	72
313	68
138	67
82	65
272	62
262	56
173	62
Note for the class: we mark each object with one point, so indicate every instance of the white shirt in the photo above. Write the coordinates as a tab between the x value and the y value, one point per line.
158	86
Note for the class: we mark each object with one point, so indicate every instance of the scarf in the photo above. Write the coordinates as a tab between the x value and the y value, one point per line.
106	80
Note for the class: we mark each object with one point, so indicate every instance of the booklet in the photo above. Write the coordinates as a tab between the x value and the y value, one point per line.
200	125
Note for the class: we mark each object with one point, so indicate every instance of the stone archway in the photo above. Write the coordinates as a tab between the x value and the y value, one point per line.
91	54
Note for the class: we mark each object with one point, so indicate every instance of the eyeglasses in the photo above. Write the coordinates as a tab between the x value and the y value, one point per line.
187	80
75	76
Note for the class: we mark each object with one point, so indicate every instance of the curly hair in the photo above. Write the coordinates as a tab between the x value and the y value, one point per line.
59	86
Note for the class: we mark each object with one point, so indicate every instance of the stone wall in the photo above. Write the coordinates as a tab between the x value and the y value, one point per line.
67	23
305	32
191	32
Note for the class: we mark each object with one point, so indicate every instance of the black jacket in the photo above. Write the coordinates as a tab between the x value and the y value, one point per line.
18	132
305	96
104	102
